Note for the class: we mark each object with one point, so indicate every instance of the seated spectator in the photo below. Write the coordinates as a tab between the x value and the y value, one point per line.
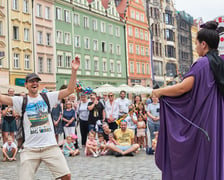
110	141
125	139
9	150
74	141
69	148
106	131
101	143
91	145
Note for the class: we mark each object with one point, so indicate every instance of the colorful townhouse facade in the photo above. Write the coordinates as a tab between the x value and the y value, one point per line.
94	34
4	61
20	49
44	43
194	31
138	44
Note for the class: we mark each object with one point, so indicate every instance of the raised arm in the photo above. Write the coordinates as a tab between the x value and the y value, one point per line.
7	100
175	90
71	86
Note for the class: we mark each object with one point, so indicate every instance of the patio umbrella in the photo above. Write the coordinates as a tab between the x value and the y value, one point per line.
106	88
139	89
125	87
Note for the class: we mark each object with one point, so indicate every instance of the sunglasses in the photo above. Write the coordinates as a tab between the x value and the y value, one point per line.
110	95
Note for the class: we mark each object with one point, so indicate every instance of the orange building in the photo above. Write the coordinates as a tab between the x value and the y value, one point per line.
138	44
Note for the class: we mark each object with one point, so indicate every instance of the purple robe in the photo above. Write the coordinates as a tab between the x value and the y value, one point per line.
183	151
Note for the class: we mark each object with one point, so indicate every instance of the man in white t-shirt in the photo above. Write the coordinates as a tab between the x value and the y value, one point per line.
123	103
9	150
40	143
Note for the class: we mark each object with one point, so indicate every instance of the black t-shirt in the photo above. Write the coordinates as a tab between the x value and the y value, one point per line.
96	113
9	115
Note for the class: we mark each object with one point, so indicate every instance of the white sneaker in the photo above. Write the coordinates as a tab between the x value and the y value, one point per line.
95	155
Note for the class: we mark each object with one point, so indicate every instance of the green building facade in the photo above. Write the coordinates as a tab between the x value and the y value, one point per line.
96	36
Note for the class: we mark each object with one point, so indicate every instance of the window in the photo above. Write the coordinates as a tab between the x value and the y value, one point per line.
59	37
131	48
39	37
49	65
96	65
104	66
137	50
131	67
118	67
156	29
147	51
95	45
48	39
110	29
143	68
25	6
138	67
142	50
15	5
103	27
132	14
104	49
158	68
39	10
59	61
16	60
47	12
147	68
111	49
169	35
86	43
130	31
183	40
184	55
170	51
66	16
118	50
146	36
142	18
94	21
76	19
77	41
137	16
86	22
1	28
141	34
111	66
15	33
136	33
87	64
40	65
68	61
168	17
26	34
58	13
117	31
67	38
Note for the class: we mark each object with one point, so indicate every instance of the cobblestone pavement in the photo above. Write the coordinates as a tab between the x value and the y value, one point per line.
141	166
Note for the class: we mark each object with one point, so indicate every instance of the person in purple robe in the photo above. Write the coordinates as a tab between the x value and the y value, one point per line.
191	135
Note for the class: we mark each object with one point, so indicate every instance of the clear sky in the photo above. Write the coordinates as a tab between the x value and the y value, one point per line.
207	9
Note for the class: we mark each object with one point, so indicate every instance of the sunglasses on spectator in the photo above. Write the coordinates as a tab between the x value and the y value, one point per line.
110	95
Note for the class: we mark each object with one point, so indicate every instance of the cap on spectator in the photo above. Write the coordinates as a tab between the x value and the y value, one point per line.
74	136
31	77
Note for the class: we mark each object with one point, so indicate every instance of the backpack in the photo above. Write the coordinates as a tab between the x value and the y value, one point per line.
24	104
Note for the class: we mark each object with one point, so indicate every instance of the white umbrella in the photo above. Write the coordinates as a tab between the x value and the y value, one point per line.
125	87
106	88
139	89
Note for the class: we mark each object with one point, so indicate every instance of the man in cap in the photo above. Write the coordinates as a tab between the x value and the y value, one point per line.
40	143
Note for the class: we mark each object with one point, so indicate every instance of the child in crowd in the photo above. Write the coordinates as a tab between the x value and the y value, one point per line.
141	130
91	145
154	141
111	140
69	148
101	143
9	150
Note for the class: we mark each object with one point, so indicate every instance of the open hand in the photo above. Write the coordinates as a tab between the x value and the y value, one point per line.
76	63
155	93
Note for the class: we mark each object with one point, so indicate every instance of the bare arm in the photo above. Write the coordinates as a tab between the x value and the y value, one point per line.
175	90
7	100
71	86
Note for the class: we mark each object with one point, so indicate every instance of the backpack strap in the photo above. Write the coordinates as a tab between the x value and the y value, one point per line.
45	98
22	117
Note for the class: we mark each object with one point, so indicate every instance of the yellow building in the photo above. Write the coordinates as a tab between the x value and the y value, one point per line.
194	30
4	65
20	37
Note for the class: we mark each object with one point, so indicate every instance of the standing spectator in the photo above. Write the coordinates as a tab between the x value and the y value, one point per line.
141	131
9	150
83	114
68	119
9	121
137	100
148	100
72	99
56	114
105	99
123	104
111	110
96	113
